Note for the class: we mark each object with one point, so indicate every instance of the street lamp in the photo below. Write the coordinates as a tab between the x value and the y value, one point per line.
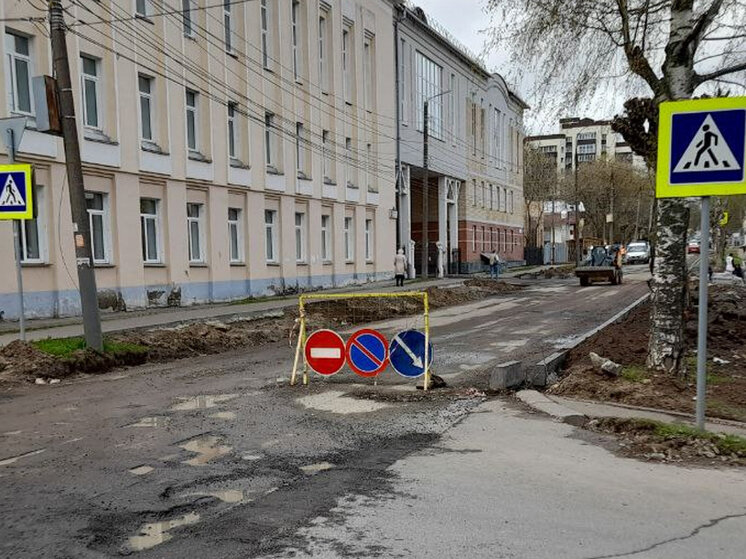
425	180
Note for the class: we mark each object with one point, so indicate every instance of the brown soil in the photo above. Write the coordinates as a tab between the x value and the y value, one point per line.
21	361
556	272
626	343
647	441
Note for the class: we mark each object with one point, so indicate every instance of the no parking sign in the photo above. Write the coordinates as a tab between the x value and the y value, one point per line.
367	352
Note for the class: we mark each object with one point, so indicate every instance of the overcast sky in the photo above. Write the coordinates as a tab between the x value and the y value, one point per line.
464	19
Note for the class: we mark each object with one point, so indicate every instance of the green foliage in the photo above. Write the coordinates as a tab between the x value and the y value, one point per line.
634	373
65	347
726	444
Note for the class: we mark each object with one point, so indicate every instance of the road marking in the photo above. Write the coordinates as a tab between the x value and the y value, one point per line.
326	352
14	459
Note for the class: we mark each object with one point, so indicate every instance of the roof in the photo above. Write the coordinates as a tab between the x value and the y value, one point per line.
544	137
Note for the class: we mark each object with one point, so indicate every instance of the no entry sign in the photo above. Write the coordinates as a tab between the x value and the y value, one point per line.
367	352
325	352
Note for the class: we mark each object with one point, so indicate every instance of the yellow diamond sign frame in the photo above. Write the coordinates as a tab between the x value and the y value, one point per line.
16	200
701	148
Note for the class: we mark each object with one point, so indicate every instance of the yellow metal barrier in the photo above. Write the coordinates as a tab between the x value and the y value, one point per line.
302	333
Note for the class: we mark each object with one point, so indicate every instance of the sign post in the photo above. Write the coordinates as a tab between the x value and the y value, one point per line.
16	200
702	153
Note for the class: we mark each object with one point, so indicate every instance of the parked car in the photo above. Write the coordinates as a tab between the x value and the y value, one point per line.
638	252
693	247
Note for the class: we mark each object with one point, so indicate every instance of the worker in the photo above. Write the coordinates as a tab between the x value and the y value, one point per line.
494	265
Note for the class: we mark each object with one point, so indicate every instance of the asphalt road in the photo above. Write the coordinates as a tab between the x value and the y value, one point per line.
210	457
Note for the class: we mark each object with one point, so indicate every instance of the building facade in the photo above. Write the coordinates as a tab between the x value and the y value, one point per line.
475	187
581	140
229	150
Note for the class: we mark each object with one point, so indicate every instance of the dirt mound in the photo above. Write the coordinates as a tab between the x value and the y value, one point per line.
492	286
555	272
21	360
626	343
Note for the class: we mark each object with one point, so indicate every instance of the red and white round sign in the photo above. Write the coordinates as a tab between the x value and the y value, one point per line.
325	352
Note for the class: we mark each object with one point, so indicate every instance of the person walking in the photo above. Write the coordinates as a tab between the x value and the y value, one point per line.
400	267
494	265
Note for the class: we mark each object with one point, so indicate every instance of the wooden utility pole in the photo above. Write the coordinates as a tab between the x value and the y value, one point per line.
81	226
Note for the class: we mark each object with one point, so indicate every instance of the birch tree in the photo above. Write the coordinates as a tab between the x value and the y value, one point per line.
540	183
671	48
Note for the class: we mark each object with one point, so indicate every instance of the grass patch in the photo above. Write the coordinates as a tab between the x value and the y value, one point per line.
634	373
65	347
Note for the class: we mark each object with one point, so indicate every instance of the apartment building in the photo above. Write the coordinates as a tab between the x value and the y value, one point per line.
475	186
584	139
229	150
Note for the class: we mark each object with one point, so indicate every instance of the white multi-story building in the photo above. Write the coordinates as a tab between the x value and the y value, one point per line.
229	149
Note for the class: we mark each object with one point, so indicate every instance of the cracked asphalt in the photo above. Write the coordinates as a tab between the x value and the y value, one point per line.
212	457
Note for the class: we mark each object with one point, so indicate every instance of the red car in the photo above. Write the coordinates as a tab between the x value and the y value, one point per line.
692	247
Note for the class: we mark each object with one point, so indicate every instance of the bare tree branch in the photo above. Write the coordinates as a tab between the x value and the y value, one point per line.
721	72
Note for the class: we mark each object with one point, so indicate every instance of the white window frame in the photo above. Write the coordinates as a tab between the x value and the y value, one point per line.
14	58
192	111
103	213
146	96
326	238
348	160
269	140
296	35
94	80
228	27
452	109
325	159
39	223
368	73
155	218
197	221
265	19
143	8
347	64
300	237
235	229
349	239
323	52
270	236
300	149
367	165
403	82
233	131
369	240
429	83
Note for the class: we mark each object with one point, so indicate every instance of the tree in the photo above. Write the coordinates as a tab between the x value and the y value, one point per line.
540	183
670	47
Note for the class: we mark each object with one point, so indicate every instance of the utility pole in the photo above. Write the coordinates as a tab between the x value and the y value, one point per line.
611	208
425	180
577	213
81	226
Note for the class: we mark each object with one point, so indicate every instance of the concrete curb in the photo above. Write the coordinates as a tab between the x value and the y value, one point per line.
537	401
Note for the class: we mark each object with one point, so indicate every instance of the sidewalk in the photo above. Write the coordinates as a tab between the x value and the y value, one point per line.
149	318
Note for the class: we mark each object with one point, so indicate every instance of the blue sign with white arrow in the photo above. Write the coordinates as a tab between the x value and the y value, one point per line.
407	353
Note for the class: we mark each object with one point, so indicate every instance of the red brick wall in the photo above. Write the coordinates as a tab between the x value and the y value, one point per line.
507	240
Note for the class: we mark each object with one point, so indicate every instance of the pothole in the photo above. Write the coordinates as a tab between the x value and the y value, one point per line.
203	402
230	496
207	448
156	533
335	401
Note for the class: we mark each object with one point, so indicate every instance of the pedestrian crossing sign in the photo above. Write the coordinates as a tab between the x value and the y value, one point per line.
702	148
15	192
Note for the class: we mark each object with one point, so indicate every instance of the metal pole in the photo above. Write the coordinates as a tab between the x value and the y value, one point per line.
425	180
17	244
81	226
577	214
704	262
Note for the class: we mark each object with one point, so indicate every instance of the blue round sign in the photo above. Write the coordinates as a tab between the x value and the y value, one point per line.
367	352
407	353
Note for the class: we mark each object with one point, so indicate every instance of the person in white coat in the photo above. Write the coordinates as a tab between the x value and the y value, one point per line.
400	267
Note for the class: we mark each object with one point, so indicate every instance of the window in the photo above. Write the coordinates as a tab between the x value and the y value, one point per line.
300	149
326	238
483	194
228	25
195	232
496	137
369	240
296	30
474	237
145	85
235	235
32	231
89	87
232	131
192	120
349	237
474	192
512	209
323	66
270	235
428	76
149	230
367	167
504	206
474	129
325	156
142	7
347	69
266	38
402	81
348	159
368	73
18	72
587	136
186	15
452	108
300	237
269	122
586	148
492	197
98	222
